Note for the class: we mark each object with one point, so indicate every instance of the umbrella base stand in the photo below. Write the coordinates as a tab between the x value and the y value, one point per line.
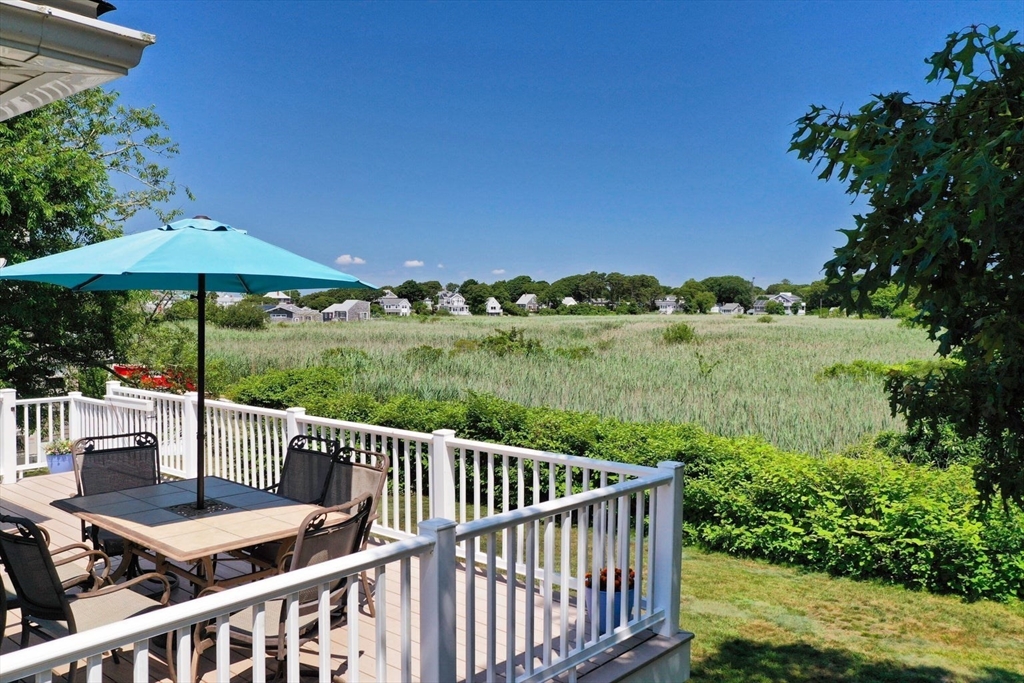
190	509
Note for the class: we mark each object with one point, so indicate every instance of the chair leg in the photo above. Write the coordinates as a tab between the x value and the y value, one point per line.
72	670
369	596
24	633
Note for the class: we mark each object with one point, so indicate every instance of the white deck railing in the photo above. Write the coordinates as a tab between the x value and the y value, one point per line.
533	523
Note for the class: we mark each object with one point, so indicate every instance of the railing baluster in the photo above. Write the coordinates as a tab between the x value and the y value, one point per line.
354	584
549	559
470	615
291	637
259	643
140	660
563	585
529	627
504	508
406	597
94	669
624	559
183	650
223	648
406	469
492	605
638	551
510	603
324	625
45	677
380	588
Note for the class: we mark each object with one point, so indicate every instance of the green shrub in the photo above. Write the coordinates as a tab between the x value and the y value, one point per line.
864	515
575	352
424	354
679	333
511	341
766	319
774	308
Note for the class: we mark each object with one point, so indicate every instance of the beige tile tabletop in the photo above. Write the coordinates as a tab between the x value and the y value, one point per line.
142	516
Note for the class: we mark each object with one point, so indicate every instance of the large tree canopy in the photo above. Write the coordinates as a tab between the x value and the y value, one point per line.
63	173
944	183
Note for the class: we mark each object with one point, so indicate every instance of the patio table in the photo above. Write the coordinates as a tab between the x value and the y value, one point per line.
159	523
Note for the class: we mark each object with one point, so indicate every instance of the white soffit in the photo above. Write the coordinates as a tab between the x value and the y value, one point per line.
47	54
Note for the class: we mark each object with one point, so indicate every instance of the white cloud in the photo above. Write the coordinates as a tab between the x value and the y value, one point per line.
349	260
440	265
498	271
414	264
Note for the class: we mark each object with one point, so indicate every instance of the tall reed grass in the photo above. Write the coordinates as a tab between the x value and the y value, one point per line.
739	378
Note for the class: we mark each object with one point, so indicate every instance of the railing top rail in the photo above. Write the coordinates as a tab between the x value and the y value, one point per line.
148	393
485	525
559	458
359	426
50	654
242	407
37	401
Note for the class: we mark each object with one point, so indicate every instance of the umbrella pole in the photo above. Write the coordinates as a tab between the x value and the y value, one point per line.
201	388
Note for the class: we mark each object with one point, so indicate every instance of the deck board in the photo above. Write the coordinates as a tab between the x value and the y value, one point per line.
31	497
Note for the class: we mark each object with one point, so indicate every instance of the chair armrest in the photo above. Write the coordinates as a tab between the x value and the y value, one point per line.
107	590
93	556
70	546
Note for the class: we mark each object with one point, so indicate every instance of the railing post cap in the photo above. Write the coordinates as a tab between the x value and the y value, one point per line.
75	394
8	392
435	525
299	410
671	465
443	432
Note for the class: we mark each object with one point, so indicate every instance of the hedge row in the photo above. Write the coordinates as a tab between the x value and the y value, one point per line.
867	517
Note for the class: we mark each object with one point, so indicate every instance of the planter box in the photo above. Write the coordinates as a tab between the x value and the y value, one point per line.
60	462
601	607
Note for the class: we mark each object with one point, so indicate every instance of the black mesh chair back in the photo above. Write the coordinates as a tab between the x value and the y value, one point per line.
307	467
3	607
328	534
30	568
355	474
117	462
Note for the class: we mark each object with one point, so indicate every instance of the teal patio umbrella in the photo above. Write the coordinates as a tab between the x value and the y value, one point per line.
195	254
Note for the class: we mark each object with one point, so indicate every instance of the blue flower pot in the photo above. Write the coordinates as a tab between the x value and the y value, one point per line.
60	462
601	607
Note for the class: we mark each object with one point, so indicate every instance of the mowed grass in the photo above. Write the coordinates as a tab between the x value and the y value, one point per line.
762	623
741	378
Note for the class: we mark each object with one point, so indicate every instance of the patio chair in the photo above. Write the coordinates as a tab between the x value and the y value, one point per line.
48	610
114	463
351	479
325	534
307	467
71	575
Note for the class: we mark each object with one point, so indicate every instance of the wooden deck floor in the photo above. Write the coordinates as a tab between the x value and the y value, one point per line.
31	498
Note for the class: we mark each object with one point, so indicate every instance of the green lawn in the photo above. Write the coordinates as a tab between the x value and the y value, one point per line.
762	623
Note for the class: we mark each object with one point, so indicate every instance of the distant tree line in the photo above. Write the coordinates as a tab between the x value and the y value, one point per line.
595	292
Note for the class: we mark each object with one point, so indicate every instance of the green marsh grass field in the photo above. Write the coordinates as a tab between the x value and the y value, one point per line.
742	377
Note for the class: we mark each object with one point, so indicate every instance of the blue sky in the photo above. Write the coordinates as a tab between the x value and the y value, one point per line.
525	138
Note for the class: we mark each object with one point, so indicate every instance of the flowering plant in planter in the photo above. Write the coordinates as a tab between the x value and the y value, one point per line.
58	447
602	582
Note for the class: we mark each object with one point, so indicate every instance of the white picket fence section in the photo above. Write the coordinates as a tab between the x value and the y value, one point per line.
533	523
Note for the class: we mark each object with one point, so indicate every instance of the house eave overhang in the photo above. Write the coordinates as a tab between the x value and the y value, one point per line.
47	54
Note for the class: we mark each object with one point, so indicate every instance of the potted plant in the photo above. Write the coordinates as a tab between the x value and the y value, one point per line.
58	456
597	597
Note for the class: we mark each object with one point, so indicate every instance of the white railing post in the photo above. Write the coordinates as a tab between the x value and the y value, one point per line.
437	602
293	423
667	564
74	415
190	430
8	436
442	475
112	387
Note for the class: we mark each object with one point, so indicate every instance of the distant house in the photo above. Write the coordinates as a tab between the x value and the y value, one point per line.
793	304
715	309
730	309
290	313
278	297
599	302
225	299
394	305
429	303
350	311
528	302
493	307
669	304
568	301
452	302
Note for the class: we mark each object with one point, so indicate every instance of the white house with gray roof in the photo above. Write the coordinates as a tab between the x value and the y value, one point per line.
529	303
453	302
493	306
350	311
